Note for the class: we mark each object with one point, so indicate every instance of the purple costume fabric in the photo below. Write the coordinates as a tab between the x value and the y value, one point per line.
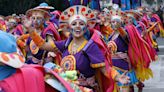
116	2
29	53
15	32
139	28
83	63
121	47
123	64
40	53
153	19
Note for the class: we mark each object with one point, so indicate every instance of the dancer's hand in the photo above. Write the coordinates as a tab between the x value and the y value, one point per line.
28	25
123	78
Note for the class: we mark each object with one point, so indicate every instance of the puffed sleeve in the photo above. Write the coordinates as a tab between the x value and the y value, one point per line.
60	45
95	56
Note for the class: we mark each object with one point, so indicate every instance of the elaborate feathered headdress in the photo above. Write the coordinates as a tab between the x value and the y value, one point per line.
77	12
117	14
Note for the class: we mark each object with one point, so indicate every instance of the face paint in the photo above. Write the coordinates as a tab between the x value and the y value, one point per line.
39	22
115	24
77	28
37	19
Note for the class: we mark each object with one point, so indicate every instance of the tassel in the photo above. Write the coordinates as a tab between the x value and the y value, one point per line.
24	36
114	73
152	27
161	29
140	54
143	73
21	44
122	31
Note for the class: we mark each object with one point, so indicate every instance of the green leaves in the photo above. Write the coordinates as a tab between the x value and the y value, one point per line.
8	7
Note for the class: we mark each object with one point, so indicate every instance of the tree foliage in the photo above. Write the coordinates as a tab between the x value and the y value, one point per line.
8	7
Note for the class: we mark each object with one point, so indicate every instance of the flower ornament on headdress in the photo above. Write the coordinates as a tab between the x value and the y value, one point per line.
106	13
117	14
77	12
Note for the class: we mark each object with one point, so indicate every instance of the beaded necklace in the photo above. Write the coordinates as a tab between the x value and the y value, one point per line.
78	47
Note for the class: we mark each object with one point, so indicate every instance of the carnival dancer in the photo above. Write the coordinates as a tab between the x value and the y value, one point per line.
134	18
11	26
44	6
79	52
64	34
121	42
97	25
51	25
155	28
147	31
159	30
54	18
105	27
2	23
38	17
140	28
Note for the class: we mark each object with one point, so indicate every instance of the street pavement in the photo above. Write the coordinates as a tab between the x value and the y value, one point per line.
156	84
